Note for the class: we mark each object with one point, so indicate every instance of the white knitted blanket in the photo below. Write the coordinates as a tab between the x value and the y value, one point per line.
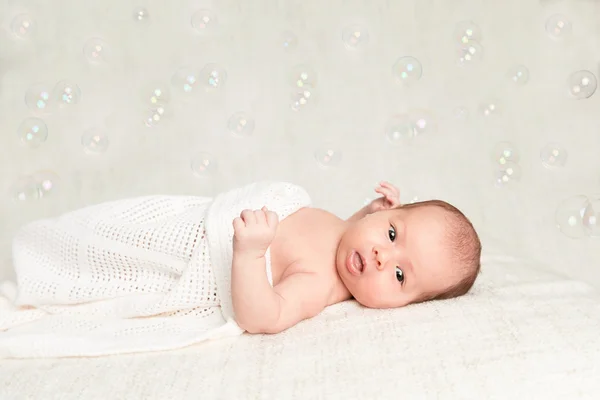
144	274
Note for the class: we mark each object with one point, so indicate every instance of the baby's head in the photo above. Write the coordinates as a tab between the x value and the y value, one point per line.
413	253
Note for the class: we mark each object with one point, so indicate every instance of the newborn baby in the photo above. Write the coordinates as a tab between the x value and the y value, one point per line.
386	255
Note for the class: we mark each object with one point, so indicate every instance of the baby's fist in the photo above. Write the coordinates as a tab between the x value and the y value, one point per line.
254	231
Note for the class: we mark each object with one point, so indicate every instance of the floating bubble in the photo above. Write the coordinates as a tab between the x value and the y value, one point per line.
185	80
461	113
470	53
153	93
591	217
518	74
466	32
423	121
241	124
213	76
489	108
47	182
155	114
569	216
301	98
553	155
37	98
355	37
303	75
23	26
400	130
66	93
558	27
327	156
140	14
407	70
504	153
582	84
94	141
32	132
205	22
97	51
24	188
203	165
289	40
507	174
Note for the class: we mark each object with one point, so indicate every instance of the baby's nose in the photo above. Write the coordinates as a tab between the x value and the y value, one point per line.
380	259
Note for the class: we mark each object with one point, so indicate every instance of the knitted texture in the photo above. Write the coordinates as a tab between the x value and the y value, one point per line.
142	274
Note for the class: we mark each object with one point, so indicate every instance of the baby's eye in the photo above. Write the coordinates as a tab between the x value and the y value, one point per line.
399	275
392	233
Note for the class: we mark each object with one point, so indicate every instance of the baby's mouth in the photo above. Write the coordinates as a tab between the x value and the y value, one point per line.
359	262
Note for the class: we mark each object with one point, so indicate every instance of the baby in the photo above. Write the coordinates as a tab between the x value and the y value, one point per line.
386	255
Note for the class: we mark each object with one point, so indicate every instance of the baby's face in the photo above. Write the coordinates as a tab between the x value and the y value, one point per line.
403	254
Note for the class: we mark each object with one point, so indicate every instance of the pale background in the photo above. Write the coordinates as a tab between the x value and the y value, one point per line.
354	96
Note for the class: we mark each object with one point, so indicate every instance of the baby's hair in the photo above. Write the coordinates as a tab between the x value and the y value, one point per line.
465	245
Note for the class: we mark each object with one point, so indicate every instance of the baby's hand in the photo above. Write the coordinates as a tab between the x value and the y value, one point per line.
254	231
390	199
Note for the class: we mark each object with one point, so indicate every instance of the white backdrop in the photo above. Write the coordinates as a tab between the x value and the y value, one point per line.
319	86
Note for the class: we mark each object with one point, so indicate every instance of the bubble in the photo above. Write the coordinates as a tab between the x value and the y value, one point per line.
23	26
489	108
153	93
553	155
185	80
154	115
205	22
327	156
582	84
301	98
140	14
96	51
37	98
32	132
66	93
203	165
591	217
289	40
467	31
422	121
47	182
558	27
355	37
461	113
470	53
213	76
303	75
518	74
241	124
507	174
24	188
504	153
94	141
407	70
569	216
399	130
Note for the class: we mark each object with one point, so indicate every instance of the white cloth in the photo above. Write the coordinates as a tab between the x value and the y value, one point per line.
144	274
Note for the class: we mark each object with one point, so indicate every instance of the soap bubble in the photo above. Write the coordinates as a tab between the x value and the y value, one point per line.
407	70
213	76
153	93
327	156
185	80
32	132
569	216
466	32
355	37
97	51
23	26
507	173
205	22
241	124
553	155
470	53
94	141
47	182
140	14
37	98
489	108
591	217
518	74
558	27
400	130
303	75
24	188
461	113
66	93
289	40
203	165
301	98
582	84
423	121
505	152
154	115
